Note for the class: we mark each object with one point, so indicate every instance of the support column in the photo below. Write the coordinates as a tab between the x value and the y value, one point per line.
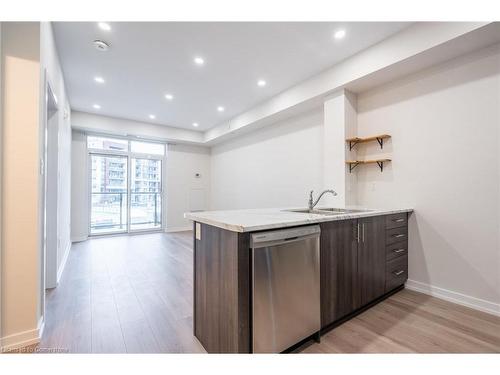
21	185
340	122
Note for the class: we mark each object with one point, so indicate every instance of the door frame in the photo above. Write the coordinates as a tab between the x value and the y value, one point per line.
89	181
51	200
50	108
145	157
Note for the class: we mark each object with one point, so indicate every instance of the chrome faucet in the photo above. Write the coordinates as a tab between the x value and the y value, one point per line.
313	203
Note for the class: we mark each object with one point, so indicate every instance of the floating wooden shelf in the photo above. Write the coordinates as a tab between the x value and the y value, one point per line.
354	163
379	138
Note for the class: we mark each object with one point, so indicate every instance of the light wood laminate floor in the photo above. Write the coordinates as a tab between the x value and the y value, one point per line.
133	294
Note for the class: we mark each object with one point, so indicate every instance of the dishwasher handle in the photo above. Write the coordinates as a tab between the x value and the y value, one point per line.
282	236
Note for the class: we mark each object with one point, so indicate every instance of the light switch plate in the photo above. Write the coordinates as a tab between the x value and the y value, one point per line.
198	231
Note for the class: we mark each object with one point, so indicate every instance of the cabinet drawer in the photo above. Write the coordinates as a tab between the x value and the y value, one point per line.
396	235
396	272
396	250
396	221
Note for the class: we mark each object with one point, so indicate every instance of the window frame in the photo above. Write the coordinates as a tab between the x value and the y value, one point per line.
129	154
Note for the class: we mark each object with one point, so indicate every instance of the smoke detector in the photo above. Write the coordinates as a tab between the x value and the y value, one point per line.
100	45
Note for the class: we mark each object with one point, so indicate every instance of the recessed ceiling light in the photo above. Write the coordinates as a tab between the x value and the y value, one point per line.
261	83
195	124
339	34
104	26
152	117
99	79
169	96
199	60
96	106
220	109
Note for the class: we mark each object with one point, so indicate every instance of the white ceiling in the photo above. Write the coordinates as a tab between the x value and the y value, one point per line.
146	60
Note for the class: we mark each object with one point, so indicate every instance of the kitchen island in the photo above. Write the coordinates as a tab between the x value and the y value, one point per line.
362	258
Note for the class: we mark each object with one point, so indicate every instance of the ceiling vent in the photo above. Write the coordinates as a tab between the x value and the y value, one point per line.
101	45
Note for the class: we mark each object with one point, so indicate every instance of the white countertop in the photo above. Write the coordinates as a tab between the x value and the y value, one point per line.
251	220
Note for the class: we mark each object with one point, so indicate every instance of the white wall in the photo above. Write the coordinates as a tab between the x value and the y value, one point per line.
445	125
184	191
274	166
340	122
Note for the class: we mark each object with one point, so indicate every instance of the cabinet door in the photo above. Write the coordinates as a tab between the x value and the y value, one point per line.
339	262
371	258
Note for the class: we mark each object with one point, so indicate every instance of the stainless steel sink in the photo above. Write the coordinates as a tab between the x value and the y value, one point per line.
327	211
341	210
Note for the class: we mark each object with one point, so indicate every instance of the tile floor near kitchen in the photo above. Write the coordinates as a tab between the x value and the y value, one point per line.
134	294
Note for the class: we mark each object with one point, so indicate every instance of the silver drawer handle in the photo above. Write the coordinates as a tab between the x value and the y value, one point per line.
398	220
398	235
397	273
398	250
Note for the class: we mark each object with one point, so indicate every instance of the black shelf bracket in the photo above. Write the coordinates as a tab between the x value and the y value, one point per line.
380	142
380	164
352	144
352	166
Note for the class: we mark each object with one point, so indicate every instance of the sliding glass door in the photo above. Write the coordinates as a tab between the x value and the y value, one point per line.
126	185
109	194
145	194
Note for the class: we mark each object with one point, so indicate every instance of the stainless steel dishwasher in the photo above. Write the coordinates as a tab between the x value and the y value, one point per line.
286	289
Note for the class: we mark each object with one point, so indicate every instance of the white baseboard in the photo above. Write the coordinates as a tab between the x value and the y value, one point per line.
79	238
455	297
178	229
23	339
63	263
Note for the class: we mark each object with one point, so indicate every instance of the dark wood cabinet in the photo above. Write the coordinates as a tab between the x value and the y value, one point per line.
396	269
222	290
339	270
396	272
354	263
371	259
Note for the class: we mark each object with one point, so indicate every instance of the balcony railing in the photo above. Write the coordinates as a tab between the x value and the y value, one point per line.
109	211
